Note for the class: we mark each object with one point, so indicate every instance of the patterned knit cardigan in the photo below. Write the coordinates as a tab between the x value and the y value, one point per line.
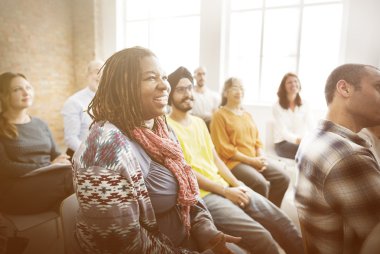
116	214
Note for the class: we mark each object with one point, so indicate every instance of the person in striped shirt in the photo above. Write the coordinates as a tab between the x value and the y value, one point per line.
338	194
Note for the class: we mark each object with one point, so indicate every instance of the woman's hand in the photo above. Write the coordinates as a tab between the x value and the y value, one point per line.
259	163
62	159
237	195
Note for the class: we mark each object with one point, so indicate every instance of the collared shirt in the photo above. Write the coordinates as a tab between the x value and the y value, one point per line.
373	141
205	103
75	117
338	192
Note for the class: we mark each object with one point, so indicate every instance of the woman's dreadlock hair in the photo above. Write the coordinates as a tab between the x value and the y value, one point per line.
7	129
118	98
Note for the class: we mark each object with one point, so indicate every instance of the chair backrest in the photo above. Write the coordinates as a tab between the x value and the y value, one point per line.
28	221
69	210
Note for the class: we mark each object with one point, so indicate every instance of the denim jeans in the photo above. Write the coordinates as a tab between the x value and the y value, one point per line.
260	224
286	149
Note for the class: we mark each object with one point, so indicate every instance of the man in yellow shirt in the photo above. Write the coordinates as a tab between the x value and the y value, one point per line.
235	208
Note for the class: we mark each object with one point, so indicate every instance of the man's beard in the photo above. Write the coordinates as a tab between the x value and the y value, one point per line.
201	83
180	106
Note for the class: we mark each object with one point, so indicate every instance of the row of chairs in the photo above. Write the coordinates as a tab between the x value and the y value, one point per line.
65	218
69	206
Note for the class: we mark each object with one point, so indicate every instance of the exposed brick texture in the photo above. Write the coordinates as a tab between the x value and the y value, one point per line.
51	42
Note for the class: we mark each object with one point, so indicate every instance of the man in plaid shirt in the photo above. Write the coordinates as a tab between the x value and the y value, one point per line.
338	193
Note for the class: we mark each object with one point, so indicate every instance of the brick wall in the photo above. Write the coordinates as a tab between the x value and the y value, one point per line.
83	39
50	41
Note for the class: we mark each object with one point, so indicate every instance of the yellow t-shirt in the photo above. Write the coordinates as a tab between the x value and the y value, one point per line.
197	148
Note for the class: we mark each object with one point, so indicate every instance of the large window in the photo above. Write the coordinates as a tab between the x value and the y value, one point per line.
170	28
265	39
271	37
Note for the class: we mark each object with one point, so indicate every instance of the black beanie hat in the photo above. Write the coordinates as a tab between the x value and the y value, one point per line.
176	76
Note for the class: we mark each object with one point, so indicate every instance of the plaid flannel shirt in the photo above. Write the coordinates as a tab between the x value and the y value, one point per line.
338	192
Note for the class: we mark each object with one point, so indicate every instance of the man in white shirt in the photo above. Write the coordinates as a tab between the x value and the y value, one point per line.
75	117
206	101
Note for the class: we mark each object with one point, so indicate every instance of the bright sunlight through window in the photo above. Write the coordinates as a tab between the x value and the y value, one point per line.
283	36
170	28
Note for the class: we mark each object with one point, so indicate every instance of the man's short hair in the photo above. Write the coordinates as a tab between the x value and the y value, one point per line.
351	73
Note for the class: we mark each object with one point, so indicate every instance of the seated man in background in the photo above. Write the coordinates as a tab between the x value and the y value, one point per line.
235	208
75	117
338	194
206	101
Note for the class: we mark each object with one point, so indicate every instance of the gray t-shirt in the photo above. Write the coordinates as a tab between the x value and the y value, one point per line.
33	148
162	188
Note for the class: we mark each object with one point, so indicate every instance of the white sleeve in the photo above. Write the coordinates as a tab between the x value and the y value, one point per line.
71	113
280	125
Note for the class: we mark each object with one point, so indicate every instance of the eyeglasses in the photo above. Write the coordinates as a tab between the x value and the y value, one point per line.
184	89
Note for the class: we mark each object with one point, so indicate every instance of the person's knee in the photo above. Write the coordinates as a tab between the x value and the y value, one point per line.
281	180
261	187
260	242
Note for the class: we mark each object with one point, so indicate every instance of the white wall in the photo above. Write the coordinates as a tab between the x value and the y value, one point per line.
211	50
362	39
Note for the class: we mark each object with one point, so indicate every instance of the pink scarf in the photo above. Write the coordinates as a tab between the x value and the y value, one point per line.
168	153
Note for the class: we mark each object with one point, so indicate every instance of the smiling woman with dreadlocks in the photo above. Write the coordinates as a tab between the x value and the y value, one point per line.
136	192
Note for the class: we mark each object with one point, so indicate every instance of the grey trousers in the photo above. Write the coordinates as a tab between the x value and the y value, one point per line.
272	183
260	224
286	149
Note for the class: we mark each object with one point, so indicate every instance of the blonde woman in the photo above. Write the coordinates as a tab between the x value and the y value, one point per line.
236	139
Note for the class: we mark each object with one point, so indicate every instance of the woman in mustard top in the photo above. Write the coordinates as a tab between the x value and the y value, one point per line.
236	139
